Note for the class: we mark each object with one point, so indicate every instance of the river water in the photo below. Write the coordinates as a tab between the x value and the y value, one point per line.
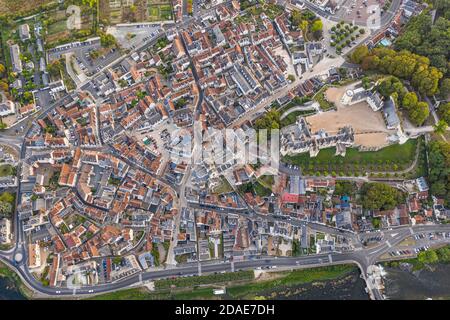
349	287
404	284
8	290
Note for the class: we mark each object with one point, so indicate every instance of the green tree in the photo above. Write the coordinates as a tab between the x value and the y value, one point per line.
440	127
439	169
359	54
410	100
428	257
316	29
380	196
444	112
419	114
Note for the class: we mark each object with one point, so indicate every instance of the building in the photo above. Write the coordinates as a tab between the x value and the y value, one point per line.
7	108
34	259
15	58
5	231
24	32
359	94
390	114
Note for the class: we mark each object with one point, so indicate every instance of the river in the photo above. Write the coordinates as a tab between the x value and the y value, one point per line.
404	284
8	290
349	287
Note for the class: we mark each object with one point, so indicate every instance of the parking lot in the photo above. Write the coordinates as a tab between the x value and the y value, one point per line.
360	12
132	37
422	242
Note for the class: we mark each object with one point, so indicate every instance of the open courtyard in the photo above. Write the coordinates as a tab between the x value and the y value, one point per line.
369	126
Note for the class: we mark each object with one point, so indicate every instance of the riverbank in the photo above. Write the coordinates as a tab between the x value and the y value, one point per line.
333	282
11	286
403	283
424	277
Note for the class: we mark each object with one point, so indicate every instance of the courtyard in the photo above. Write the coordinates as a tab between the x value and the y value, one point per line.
369	126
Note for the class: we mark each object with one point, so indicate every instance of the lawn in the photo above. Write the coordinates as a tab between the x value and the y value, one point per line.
57	27
235	291
159	12
320	98
7	170
202	280
292	117
224	187
392	158
290	278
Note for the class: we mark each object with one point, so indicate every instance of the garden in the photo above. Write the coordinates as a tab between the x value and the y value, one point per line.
357	163
343	34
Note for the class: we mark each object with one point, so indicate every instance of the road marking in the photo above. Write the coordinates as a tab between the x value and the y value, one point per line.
199	269
232	266
411	230
74	291
140	278
388	244
329	257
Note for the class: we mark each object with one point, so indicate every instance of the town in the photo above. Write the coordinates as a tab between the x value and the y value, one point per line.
98	190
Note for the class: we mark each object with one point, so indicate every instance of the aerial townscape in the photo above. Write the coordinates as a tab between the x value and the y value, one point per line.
115	178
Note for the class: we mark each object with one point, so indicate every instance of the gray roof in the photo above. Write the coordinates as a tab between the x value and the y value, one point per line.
390	113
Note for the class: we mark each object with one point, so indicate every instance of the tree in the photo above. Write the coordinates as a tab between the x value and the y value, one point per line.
316	29
410	100
54	68
303	25
391	85
444	112
3	86
419	114
444	88
2	69
291	77
380	196
344	188
440	127
107	40
428	257
439	169
90	3
7	197
359	54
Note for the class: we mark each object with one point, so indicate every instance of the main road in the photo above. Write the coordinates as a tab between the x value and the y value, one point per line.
363	258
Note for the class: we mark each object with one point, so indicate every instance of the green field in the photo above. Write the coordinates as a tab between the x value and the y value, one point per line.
57	27
320	98
292	117
159	12
392	158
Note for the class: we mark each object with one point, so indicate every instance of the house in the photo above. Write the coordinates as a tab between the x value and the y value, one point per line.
34	258
5	231
7	108
24	32
15	58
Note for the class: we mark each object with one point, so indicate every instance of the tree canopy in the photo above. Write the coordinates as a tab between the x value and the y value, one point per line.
402	64
439	164
427	39
380	196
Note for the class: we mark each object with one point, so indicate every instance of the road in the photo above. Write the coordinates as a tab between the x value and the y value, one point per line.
363	258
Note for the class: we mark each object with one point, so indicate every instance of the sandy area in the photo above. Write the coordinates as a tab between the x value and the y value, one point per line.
370	130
